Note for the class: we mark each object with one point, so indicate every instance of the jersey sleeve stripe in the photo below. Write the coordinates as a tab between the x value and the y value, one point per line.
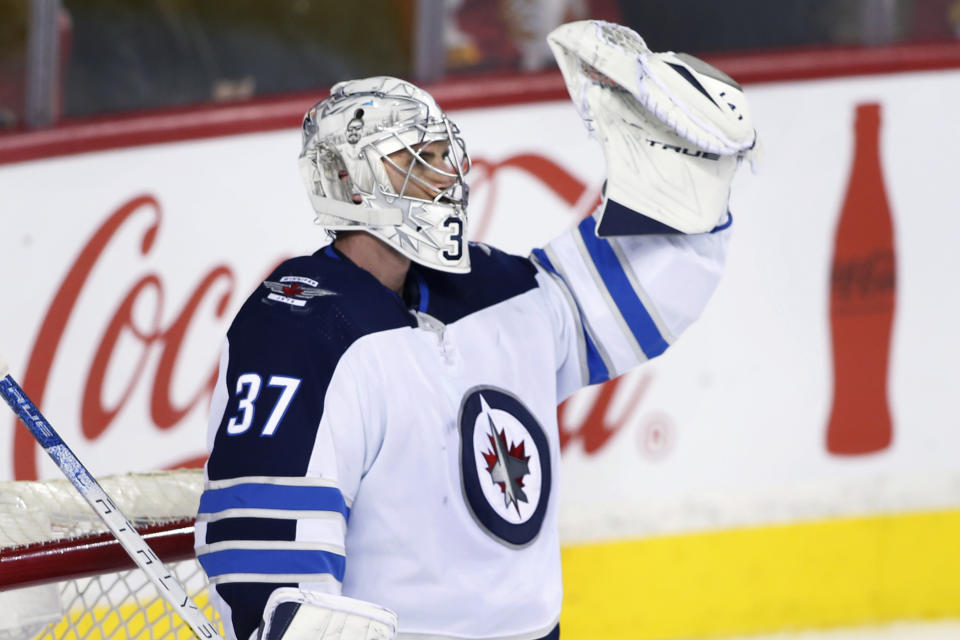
542	261
648	305
597	369
585	298
293	481
614	278
276	578
280	514
270	545
277	529
273	496
273	562
615	342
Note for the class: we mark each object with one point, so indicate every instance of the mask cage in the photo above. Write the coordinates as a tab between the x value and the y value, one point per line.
455	157
409	127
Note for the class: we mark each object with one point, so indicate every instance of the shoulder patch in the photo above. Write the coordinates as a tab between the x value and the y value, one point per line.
295	291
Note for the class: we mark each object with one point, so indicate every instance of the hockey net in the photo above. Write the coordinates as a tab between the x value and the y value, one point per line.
63	576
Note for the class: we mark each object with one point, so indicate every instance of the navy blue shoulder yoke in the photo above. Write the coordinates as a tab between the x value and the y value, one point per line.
494	276
295	326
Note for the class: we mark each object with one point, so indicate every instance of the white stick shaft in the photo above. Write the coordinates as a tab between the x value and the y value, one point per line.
137	548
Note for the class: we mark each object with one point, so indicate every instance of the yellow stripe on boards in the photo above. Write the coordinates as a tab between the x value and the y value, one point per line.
842	572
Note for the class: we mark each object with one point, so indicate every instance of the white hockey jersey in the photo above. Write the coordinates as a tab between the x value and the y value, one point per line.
405	451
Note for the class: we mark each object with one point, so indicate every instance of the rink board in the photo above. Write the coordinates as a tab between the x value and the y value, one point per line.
708	466
816	575
813	575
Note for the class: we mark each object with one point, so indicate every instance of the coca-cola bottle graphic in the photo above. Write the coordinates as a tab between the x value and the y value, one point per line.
862	301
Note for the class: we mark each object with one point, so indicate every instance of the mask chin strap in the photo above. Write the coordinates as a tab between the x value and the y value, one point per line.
379	217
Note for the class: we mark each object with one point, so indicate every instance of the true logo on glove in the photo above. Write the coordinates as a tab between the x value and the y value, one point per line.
693	153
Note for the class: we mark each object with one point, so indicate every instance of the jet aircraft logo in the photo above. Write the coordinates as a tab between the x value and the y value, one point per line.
291	290
505	465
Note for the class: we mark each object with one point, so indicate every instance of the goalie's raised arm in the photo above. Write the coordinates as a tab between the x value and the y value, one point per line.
673	128
626	282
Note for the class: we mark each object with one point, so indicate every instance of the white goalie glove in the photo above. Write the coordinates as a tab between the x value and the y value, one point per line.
673	128
292	614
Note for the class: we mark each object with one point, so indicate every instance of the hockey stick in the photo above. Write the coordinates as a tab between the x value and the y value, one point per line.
125	533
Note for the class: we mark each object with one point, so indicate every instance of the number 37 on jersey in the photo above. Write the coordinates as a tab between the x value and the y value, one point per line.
249	386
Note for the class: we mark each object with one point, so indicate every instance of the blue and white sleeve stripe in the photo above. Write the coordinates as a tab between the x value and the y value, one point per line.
614	275
635	294
247	497
250	501
247	561
594	364
608	329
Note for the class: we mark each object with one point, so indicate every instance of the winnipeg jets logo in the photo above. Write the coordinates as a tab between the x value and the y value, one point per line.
295	290
505	465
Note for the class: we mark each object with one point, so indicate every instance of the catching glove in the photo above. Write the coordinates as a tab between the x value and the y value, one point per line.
294	614
673	128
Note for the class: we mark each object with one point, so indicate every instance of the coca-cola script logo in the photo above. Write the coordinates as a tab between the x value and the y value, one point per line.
95	418
161	345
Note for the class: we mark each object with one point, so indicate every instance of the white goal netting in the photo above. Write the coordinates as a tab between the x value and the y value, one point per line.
49	537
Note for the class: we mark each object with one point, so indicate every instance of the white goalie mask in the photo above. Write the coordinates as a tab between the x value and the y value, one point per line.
369	131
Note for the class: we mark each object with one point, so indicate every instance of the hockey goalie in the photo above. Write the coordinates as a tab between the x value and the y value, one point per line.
384	444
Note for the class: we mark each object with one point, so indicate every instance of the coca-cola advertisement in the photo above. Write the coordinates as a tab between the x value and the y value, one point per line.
793	396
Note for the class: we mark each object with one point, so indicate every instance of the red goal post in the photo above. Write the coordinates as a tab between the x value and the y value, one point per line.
64	576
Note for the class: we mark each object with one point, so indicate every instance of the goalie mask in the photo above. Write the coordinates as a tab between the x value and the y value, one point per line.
379	155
